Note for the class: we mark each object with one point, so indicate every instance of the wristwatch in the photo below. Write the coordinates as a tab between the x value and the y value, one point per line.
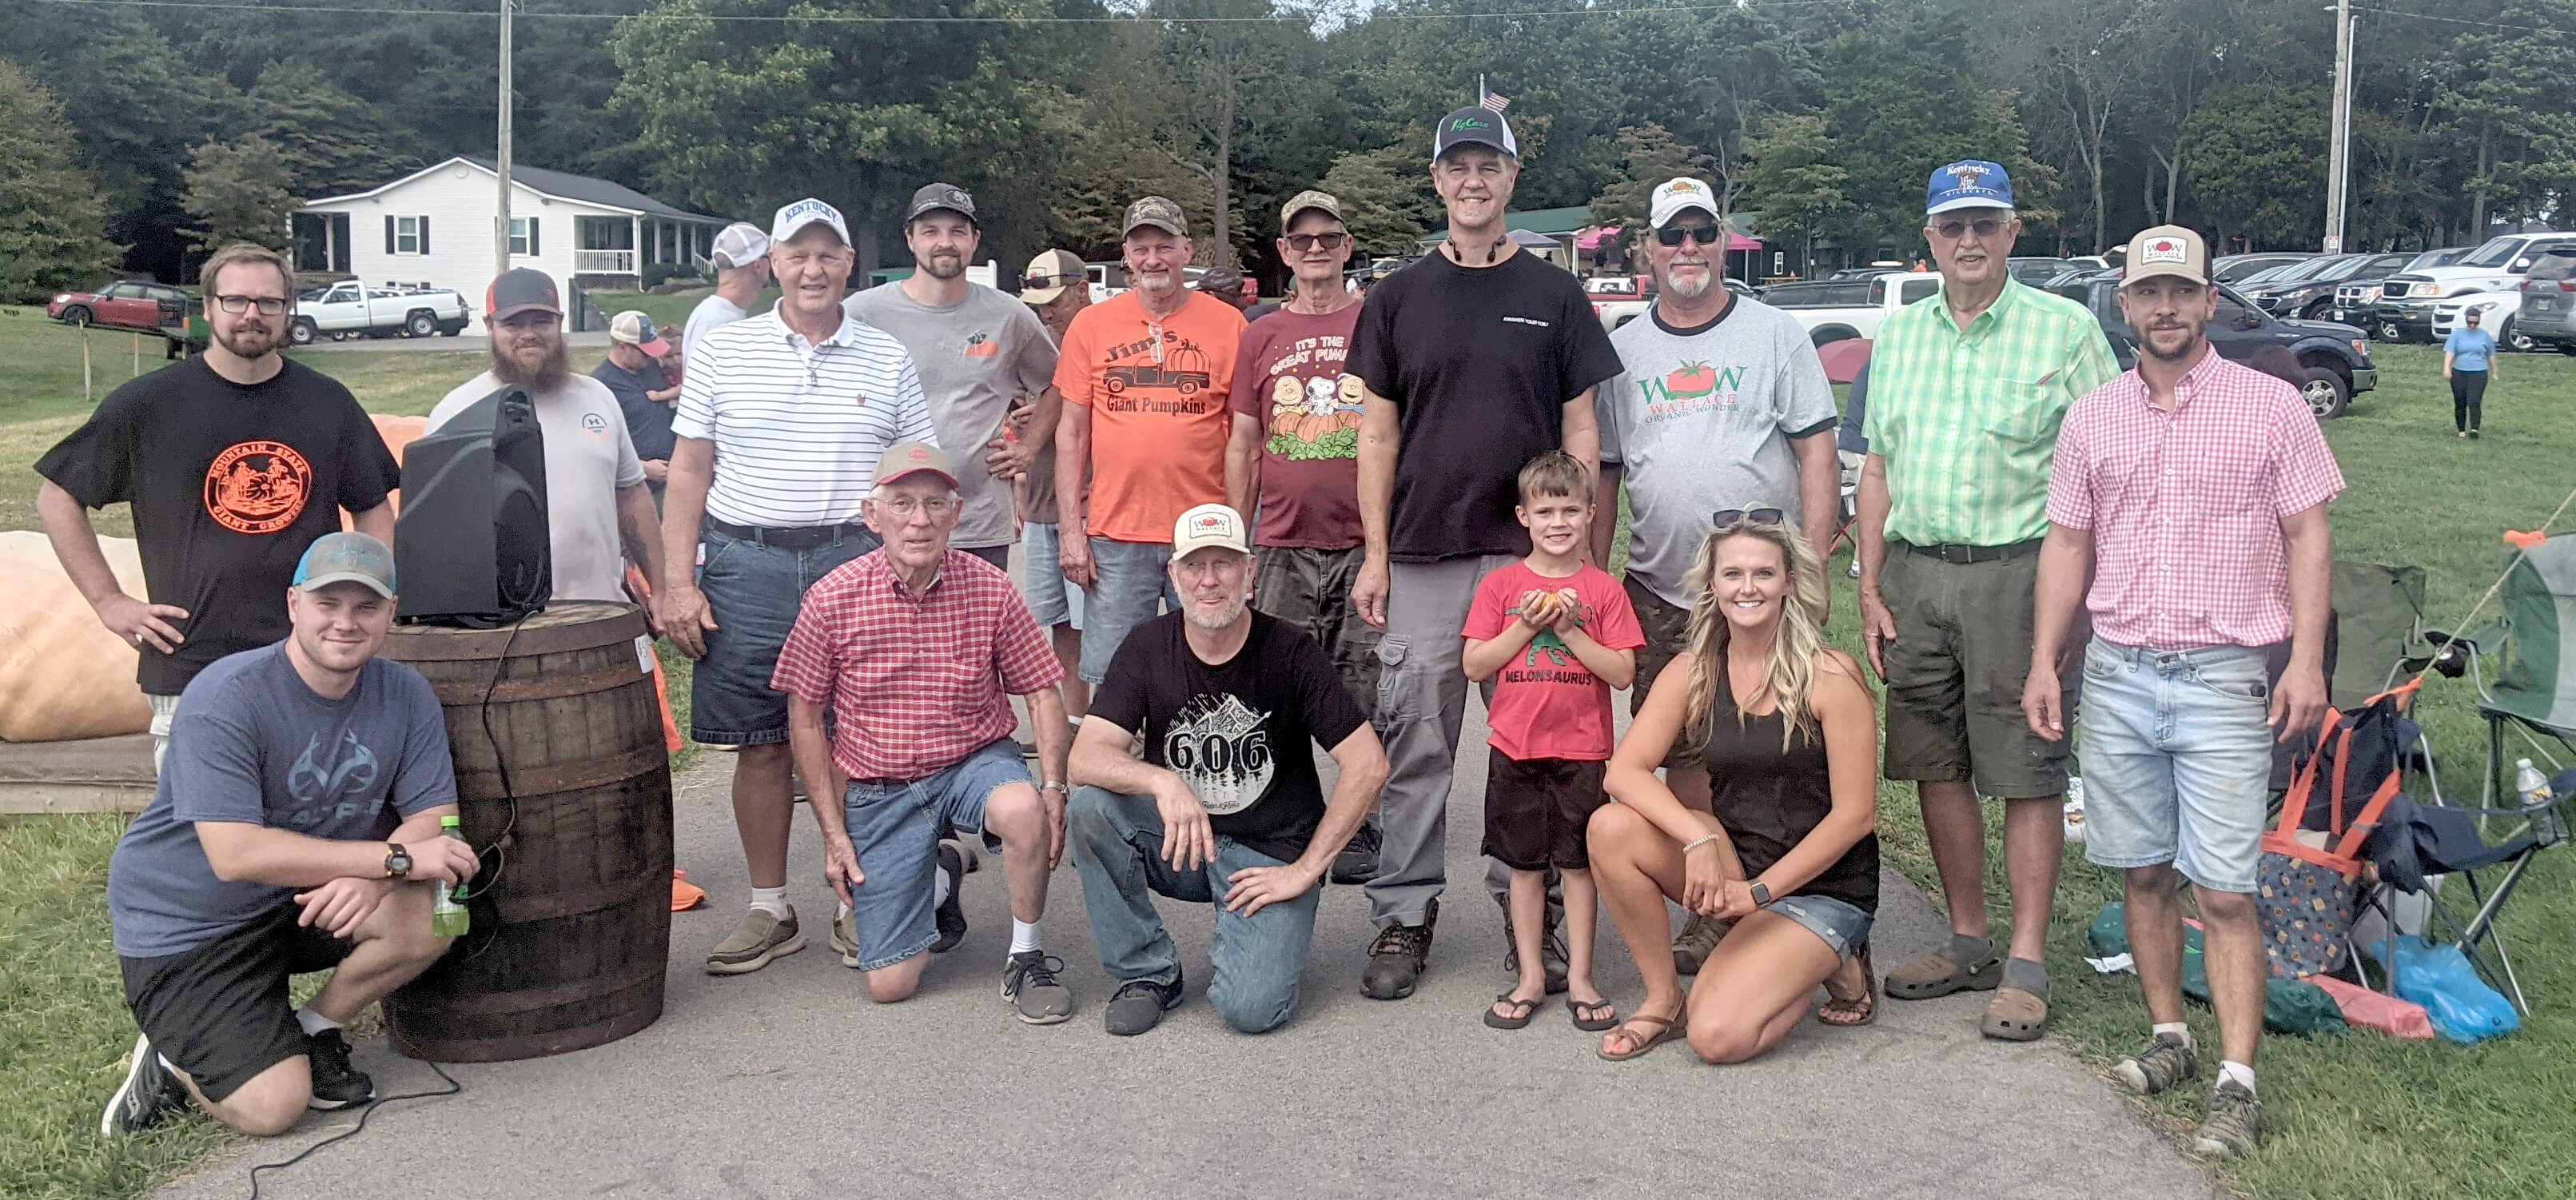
1761	894
397	861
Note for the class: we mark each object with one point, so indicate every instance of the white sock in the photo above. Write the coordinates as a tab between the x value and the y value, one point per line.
2239	1072
772	901
940	886
313	1022
1024	936
2179	1029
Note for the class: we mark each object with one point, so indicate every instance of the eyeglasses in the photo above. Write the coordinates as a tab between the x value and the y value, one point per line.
1706	235
1303	242
905	506
1986	227
1725	517
269	306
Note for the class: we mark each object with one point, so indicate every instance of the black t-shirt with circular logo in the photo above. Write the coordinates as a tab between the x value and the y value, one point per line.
229	484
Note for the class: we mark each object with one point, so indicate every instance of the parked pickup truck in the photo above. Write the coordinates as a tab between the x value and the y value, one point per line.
2408	301
1835	309
353	309
2334	360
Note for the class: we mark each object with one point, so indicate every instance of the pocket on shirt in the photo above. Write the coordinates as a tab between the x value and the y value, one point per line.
2228	479
2029	413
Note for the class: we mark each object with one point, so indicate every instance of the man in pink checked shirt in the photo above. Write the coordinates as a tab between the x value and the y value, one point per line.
2192	491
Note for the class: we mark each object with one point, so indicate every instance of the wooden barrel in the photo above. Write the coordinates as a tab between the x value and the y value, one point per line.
565	785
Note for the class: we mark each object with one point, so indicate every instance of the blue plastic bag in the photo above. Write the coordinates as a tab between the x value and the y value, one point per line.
2464	1009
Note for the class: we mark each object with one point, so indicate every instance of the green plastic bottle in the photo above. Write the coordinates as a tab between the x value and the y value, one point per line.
447	917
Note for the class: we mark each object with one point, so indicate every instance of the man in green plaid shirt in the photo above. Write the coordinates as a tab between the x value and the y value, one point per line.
1966	392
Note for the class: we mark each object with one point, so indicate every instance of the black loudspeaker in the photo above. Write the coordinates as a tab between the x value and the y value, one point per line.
472	545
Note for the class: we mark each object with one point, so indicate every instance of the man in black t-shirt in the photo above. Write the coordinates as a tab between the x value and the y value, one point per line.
234	461
1224	807
1476	360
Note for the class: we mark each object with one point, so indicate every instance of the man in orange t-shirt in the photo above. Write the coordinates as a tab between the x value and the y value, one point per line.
1145	377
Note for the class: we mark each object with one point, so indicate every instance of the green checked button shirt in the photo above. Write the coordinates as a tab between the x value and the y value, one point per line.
1967	418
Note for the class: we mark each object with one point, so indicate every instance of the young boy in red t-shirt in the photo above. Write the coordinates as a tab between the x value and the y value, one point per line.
1555	634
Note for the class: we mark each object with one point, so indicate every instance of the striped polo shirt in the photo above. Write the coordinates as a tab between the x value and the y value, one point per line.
798	427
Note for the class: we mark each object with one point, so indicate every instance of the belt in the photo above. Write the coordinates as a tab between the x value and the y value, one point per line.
1963	555
798	537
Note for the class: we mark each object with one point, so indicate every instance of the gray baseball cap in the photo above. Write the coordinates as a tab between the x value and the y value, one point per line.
936	196
347	557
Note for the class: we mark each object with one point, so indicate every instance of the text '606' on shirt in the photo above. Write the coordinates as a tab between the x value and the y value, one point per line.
797	426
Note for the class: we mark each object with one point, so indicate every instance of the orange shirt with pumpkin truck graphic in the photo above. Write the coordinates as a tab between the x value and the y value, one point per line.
1157	392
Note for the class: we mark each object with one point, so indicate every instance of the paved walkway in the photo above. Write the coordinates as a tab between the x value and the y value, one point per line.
789	1083
595	339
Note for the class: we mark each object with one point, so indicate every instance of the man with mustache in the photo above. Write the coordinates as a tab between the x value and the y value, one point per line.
1966	394
596	498
1720	403
234	461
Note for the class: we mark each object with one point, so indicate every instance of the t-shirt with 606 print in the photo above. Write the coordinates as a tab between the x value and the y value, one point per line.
1237	732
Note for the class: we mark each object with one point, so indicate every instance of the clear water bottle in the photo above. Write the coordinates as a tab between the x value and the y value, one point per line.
447	916
2533	788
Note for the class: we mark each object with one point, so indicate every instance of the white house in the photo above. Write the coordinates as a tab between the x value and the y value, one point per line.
433	227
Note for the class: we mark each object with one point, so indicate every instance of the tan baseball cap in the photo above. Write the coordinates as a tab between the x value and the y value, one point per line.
2167	250
904	459
1209	525
1322	202
1049	274
1158	211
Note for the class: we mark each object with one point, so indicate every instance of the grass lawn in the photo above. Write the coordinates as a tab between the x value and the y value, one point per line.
2361	1116
673	309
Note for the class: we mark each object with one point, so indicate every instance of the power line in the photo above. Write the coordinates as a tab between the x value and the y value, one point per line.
2390	12
493	14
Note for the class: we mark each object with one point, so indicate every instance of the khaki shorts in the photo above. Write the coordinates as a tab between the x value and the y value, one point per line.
1955	674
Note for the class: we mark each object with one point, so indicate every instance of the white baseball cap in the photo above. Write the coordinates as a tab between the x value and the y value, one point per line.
1209	525
740	245
803	213
1679	195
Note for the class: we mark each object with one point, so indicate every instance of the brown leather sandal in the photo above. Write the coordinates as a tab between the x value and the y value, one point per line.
1857	1011
1667	1029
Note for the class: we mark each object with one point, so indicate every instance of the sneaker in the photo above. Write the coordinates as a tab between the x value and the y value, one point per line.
761	938
845	938
950	918
1357	863
1698	938
2166	1061
1396	958
336	1084
149	1095
1029	983
1140	1004
2233	1124
1551	949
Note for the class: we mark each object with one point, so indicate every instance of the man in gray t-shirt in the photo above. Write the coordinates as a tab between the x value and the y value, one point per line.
976	349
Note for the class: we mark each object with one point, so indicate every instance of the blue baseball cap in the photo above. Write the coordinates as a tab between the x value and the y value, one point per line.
346	558
1970	183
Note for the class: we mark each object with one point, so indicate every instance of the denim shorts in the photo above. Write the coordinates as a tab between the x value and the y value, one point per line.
754	590
895	828
1051	600
1134	581
2176	749
1842	924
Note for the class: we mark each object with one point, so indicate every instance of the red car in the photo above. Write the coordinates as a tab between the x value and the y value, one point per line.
124	305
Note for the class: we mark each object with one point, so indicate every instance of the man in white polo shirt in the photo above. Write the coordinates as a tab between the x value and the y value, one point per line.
781	419
741	259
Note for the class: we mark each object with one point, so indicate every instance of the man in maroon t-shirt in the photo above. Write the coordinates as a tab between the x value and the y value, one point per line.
1292	465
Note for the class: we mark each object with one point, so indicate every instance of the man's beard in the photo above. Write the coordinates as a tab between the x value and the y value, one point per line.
1691	289
1233	612
546	377
245	344
2190	347
944	266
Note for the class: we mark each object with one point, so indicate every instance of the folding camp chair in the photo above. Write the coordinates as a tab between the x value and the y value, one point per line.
2525	675
2413	843
2378	631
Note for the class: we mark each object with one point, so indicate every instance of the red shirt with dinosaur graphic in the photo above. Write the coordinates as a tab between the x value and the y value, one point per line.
1546	703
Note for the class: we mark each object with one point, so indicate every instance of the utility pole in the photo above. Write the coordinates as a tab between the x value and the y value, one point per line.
2339	147
501	221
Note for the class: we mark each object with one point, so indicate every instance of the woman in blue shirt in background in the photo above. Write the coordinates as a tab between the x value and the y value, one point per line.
2468	361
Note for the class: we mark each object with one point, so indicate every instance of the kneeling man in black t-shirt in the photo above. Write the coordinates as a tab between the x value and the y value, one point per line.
1224	807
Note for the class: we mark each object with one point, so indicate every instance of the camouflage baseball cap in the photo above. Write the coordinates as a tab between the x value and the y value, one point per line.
1322	202
936	196
1157	211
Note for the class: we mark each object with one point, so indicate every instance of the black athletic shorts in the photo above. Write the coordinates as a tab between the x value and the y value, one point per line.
1537	812
220	1011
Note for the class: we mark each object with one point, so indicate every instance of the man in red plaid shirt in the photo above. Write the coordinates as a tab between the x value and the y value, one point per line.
898	673
2192	492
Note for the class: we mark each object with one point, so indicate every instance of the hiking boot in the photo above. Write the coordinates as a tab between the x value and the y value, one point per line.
1551	948
149	1095
2166	1061
950	918
1699	937
1029	983
2233	1124
845	938
761	938
1396	958
336	1084
1140	1004
1357	863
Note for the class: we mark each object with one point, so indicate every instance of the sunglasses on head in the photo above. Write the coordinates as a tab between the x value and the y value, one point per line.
1706	235
1303	242
1726	517
1955	227
1044	281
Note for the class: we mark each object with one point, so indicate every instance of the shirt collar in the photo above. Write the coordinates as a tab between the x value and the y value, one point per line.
894	582
841	336
2004	300
2198	377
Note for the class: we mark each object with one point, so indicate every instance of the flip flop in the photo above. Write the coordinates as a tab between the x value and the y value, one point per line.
1574	1010
1670	1028
1528	1010
1865	1005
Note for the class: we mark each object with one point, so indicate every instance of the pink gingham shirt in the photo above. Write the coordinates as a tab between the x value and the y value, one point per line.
915	685
2186	507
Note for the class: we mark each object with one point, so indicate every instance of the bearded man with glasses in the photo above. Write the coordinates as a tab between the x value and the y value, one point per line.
1967	391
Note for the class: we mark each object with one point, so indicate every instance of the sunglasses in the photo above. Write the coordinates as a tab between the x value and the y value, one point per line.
1728	517
1045	281
1303	242
1986	227
1706	235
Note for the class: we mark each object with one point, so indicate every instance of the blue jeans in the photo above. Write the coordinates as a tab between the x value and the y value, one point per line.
2177	757
754	591
1052	600
1135	579
895	826
1839	923
1117	844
